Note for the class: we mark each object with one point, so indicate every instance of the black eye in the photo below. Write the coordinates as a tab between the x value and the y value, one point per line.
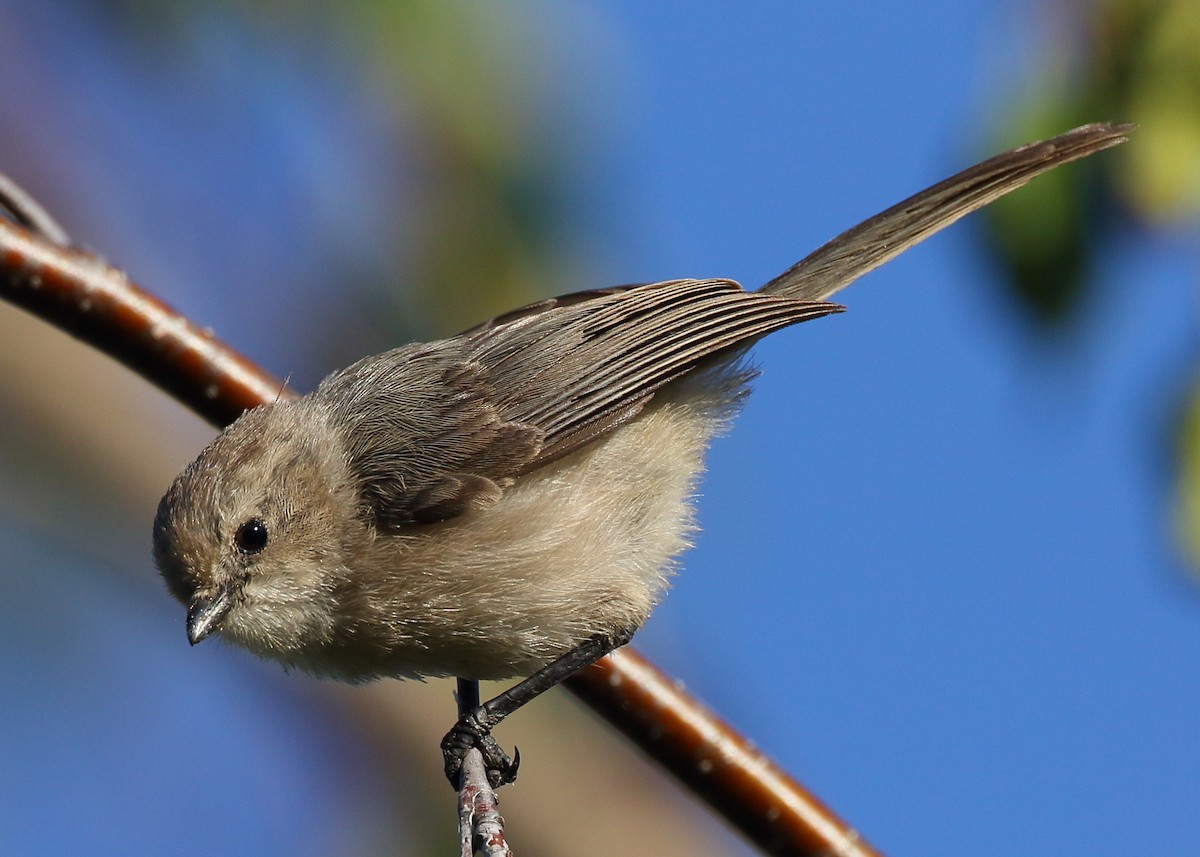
251	536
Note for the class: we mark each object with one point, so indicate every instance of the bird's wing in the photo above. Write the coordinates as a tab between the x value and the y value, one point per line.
442	428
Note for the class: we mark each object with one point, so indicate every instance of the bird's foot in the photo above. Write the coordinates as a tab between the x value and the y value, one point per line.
473	731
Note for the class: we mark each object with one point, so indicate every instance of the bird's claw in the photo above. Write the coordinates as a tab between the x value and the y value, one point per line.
472	732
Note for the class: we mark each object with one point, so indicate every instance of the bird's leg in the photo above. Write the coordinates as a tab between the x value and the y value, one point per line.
474	727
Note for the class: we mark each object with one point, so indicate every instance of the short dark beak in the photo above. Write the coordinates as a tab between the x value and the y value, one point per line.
205	614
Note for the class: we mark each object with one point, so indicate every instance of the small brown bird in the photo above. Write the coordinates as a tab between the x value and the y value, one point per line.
509	501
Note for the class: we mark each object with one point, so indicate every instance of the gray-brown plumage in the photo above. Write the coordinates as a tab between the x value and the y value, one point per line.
472	506
480	505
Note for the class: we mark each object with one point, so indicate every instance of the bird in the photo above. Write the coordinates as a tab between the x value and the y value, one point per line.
511	501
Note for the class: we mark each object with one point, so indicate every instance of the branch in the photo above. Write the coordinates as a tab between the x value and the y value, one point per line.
480	827
97	303
706	754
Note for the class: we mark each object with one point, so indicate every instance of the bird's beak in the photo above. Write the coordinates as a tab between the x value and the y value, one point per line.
205	614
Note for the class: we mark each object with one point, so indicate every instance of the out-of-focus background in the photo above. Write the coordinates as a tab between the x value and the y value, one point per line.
944	574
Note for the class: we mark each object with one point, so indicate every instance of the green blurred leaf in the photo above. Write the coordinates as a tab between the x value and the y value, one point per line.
1041	236
1159	86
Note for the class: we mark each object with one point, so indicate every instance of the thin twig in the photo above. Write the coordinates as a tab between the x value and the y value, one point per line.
96	303
480	826
27	211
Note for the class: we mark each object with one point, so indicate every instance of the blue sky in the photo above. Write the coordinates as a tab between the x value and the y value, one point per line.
935	579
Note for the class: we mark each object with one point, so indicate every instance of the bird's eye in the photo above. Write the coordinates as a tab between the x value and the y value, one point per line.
251	536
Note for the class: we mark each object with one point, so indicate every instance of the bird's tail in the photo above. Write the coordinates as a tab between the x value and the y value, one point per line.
847	257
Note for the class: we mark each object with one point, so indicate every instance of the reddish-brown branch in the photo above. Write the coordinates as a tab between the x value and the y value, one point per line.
96	303
705	753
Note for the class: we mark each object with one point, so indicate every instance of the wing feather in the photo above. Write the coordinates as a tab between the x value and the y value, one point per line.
440	429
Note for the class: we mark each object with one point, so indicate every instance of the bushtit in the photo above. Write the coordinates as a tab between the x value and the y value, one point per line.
509	501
